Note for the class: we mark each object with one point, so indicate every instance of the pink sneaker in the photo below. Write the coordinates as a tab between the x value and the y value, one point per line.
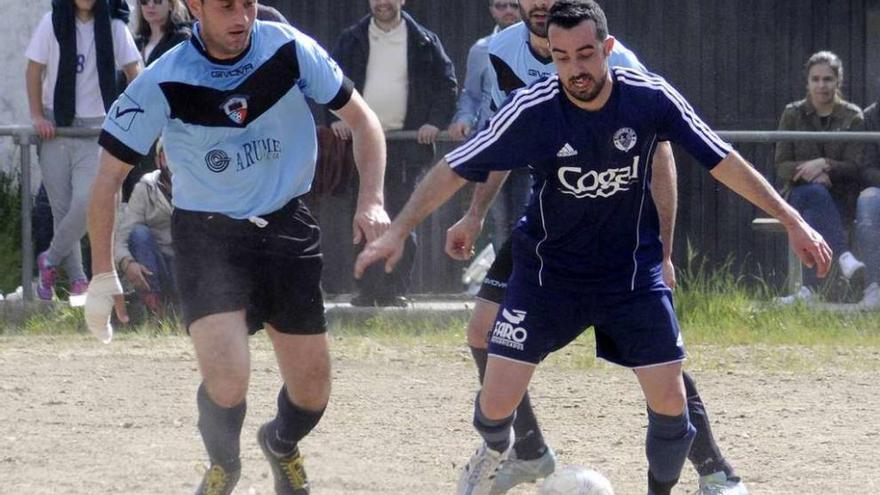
46	287
79	287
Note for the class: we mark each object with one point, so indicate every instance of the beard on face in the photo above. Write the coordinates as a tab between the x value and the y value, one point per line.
588	95
539	31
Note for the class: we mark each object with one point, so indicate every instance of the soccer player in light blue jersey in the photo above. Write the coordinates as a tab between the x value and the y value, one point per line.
589	251
240	139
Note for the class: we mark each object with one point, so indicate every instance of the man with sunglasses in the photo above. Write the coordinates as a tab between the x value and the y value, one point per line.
240	140
476	94
520	55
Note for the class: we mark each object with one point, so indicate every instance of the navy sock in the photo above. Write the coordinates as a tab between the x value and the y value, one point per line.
668	442
705	454
221	430
530	442
496	432
291	424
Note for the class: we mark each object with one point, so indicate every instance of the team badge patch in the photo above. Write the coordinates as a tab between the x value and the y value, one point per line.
625	138
236	108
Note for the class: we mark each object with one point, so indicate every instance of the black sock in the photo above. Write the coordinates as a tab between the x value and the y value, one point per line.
660	487
496	432
291	424
530	442
705	454
221	430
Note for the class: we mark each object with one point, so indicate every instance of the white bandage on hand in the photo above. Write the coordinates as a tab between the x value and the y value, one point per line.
99	304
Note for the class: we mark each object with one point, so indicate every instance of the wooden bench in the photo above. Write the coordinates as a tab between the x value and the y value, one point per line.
795	273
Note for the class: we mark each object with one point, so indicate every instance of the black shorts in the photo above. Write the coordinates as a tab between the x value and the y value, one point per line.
274	273
495	284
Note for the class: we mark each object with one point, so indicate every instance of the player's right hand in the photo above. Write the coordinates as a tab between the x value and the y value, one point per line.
104	293
389	246
458	131
461	237
669	273
43	127
341	130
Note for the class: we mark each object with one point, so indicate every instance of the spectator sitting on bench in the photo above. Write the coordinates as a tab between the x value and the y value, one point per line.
868	213
143	238
822	180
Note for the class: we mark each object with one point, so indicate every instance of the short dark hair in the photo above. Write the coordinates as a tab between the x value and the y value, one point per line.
569	13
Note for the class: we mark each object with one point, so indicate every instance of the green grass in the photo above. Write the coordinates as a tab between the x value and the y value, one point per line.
10	233
716	308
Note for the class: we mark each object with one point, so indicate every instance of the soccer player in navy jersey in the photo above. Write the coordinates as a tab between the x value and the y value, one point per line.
588	252
240	139
520	55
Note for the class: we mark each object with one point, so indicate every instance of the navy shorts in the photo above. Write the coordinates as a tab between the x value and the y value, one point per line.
633	329
495	283
273	273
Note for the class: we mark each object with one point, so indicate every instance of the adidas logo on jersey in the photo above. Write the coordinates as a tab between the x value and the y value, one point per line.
566	151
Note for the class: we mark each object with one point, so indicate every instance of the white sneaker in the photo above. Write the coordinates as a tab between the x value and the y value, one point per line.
516	471
718	484
478	475
849	265
871	301
804	294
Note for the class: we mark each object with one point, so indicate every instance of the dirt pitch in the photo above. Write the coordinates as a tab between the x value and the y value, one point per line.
77	417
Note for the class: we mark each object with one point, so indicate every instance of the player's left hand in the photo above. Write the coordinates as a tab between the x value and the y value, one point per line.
369	223
104	293
388	246
428	134
810	247
460	238
669	273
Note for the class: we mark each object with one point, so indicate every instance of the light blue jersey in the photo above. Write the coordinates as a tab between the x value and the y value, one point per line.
516	65
238	134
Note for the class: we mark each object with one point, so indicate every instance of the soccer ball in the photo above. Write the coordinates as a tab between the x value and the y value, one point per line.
576	480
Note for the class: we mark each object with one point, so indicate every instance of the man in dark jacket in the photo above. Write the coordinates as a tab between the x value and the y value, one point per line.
406	77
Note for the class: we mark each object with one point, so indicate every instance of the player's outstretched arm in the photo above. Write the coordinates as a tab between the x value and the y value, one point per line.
741	177
370	218
105	291
435	188
460	238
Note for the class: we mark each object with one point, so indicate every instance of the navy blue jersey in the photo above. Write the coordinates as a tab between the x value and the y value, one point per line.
591	222
238	134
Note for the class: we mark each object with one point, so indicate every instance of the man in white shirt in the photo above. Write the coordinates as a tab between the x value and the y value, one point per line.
72	57
409	81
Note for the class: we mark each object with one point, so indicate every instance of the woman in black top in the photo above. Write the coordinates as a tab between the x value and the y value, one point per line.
159	26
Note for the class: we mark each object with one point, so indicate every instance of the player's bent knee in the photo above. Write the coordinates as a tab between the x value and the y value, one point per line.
497	405
226	391
669	404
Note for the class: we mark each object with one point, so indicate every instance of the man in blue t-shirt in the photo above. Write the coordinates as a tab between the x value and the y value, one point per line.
588	252
240	140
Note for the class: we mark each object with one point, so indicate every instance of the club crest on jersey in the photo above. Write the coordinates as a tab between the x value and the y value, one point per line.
625	138
236	108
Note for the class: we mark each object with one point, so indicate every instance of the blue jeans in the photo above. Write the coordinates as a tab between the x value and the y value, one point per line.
868	232
820	210
146	252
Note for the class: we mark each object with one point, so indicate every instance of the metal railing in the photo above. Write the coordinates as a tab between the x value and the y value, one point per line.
25	137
